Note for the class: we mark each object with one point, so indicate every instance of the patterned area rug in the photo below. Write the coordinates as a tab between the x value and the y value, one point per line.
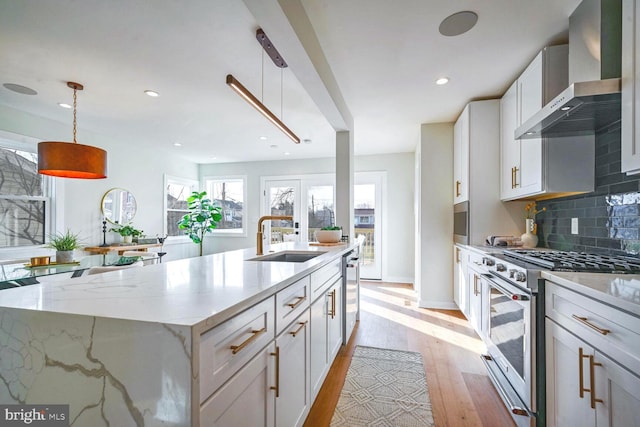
384	388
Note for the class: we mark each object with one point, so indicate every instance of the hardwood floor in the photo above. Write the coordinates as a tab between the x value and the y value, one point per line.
461	393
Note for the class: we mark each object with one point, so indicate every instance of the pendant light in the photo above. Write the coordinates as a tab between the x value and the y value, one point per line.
234	84
70	159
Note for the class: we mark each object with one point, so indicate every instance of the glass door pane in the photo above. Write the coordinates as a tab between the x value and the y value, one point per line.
320	209
283	198
367	202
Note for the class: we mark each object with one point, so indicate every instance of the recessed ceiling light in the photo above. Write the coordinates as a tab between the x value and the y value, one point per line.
263	138
273	146
152	93
442	81
177	144
286	153
458	23
566	108
530	133
213	157
307	141
63	105
20	89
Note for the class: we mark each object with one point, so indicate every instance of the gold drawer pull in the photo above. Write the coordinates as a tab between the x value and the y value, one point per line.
586	322
458	188
332	294
297	331
299	301
235	349
592	374
277	386
581	356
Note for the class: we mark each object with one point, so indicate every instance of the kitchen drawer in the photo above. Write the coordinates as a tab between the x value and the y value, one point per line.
324	277
609	330
291	302
230	345
475	258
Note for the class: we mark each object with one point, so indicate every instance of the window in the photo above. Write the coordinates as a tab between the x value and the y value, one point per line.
24	196
177	191
229	193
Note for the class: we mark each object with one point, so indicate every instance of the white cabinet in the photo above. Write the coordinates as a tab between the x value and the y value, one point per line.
593	360
460	287
476	294
461	157
326	334
292	398
541	167
630	86
247	399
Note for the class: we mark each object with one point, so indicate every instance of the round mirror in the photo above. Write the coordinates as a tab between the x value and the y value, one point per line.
118	206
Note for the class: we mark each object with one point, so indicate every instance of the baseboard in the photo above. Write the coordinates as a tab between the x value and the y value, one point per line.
441	305
397	279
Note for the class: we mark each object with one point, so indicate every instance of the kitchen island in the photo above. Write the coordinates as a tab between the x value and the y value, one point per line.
123	348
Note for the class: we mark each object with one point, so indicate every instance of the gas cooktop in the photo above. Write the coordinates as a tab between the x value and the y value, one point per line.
576	261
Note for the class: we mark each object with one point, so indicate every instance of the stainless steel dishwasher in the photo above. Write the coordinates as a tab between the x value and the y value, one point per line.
350	292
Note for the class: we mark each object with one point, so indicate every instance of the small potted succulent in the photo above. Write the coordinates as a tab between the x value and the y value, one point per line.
329	234
128	232
64	244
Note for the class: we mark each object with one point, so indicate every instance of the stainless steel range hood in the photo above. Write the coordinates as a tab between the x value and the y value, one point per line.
591	104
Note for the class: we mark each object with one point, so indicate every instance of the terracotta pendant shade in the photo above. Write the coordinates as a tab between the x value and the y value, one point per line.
71	160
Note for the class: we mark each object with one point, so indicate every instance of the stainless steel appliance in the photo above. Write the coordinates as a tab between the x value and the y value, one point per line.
351	292
515	308
461	223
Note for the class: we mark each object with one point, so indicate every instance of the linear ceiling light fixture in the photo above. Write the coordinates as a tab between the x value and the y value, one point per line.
255	102
72	160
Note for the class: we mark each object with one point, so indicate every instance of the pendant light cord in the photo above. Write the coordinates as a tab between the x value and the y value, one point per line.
75	104
281	96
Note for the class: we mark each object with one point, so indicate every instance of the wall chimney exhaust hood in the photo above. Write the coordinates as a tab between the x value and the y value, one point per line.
591	103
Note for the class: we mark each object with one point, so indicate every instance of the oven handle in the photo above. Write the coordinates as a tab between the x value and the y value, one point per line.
515	408
512	295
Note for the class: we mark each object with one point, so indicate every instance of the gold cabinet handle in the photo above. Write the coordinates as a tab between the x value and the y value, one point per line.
475	284
299	301
301	327
332	294
235	349
581	356
515	176
277	386
458	255
586	322
458	188
592	374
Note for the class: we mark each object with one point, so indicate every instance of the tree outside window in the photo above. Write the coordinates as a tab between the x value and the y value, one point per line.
24	202
177	190
229	193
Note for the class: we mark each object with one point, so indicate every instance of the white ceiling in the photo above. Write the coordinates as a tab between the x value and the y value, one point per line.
385	57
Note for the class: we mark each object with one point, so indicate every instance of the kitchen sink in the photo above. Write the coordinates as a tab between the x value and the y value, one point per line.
288	256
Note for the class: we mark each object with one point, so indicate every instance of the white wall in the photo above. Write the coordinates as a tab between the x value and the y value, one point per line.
139	171
434	216
398	234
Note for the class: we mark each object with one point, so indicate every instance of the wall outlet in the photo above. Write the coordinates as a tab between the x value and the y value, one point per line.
574	225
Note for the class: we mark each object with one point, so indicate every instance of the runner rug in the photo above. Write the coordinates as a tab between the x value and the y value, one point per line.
384	388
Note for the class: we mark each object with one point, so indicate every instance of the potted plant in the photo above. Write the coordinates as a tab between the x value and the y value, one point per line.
202	218
331	234
128	232
64	244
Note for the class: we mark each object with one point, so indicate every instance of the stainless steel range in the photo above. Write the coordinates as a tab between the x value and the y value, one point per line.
515	311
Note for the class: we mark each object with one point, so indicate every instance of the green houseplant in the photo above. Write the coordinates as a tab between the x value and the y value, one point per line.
64	244
128	232
202	218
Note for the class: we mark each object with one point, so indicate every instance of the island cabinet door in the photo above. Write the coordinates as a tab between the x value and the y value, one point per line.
318	335
334	321
248	398
292	399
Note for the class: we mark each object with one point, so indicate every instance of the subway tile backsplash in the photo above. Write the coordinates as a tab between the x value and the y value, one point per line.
608	218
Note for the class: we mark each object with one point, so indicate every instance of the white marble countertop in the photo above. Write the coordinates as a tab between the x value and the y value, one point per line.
201	291
619	290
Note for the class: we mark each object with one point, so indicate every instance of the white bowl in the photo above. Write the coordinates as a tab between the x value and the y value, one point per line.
328	236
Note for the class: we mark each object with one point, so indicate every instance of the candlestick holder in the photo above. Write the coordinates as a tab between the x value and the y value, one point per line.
104	234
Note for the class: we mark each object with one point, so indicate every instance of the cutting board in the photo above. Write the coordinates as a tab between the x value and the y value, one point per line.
327	244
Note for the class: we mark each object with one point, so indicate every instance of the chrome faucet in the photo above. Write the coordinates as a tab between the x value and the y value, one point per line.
260	221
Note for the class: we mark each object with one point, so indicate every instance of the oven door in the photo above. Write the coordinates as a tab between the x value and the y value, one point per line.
511	329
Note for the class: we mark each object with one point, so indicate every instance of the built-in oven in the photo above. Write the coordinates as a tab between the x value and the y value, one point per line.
461	223
511	343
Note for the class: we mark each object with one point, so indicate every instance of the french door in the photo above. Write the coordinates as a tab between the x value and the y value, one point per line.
367	203
309	199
